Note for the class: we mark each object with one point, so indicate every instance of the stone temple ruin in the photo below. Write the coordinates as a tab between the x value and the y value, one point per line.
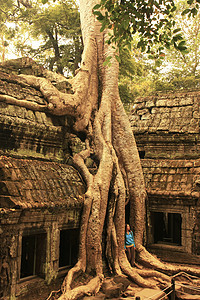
167	132
40	196
41	193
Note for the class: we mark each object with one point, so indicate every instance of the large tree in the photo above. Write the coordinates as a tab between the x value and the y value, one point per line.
58	28
100	120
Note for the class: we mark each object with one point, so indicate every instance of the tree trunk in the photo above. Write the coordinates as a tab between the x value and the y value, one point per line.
119	172
54	42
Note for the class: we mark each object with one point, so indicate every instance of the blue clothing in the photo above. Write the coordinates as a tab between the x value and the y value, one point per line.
129	239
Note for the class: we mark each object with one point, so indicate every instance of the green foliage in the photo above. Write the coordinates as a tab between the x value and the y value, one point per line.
192	9
138	25
7	13
133	75
141	77
146	86
187	61
139	87
177	82
171	69
6	10
49	33
57	26
152	19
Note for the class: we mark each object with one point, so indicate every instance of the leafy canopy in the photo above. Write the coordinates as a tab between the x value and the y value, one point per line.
152	19
58	28
186	63
49	33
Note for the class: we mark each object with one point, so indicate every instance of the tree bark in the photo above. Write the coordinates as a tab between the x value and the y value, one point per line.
54	42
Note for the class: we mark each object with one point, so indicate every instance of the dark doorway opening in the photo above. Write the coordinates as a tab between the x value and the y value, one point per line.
33	255
69	245
127	213
167	227
142	154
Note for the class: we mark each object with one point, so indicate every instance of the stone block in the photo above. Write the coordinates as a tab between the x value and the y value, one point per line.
123	280
150	103
20	112
187	112
134	119
30	115
146	116
197	164
170	178
112	288
12	188
38	117
154	110
155	123
113	292
139	105
173	102
195	194
164	124
99	296
161	103
188	164
142	112
196	115
139	100
153	294
156	177
186	101
169	186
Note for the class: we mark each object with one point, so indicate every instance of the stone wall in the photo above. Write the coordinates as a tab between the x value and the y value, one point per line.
166	129
28	133
29	183
40	195
172	113
14	225
167	125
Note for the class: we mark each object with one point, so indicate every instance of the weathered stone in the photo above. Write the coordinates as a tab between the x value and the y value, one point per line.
195	194
186	101
134	118
113	292
99	296
150	103
196	115
161	103
146	116
140	105
171	164
112	287
122	279
154	110
155	123
142	112
153	294
164	124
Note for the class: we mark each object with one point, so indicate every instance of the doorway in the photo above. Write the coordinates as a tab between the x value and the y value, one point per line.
166	227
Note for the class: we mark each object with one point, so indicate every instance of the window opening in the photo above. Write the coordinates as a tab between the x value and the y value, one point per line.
69	244
33	255
167	228
142	154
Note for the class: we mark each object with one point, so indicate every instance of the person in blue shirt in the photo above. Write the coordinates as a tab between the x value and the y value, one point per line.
130	245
